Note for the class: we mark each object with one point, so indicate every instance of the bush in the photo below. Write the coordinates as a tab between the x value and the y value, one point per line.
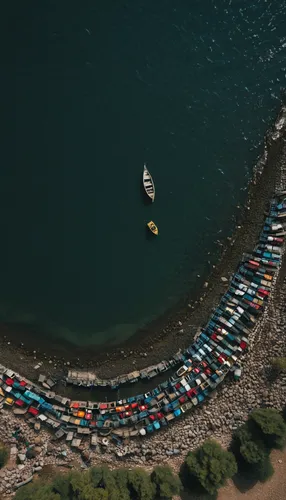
211	465
252	453
271	426
103	478
248	444
265	469
3	455
253	441
98	483
167	484
140	485
62	485
37	490
121	480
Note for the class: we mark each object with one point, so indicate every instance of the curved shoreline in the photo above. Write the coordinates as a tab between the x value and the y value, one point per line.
232	327
223	410
178	326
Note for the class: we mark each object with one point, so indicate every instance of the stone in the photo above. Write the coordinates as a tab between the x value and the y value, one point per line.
22	457
31	453
37	426
224	279
85	455
50	448
37	469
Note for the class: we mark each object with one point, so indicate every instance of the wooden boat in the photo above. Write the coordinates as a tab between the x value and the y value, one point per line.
153	228
148	183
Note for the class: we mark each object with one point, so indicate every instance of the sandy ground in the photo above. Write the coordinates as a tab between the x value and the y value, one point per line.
274	489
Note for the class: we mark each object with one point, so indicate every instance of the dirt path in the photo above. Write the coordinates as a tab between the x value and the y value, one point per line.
274	489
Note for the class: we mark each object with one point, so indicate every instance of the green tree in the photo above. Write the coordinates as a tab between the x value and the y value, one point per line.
211	465
62	485
3	455
121	480
140	485
79	483
265	469
252	453
271	426
248	444
37	490
102	477
100	494
166	482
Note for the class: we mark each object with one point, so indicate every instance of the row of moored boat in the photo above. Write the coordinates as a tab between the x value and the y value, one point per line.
215	352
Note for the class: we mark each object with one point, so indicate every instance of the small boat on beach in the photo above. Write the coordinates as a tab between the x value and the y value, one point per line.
153	228
148	183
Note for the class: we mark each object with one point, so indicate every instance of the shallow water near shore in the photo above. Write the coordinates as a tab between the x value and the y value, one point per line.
90	95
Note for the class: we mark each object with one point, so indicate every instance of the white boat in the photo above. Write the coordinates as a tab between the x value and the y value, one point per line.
148	183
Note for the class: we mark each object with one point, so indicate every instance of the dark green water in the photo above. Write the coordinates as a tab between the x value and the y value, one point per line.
90	92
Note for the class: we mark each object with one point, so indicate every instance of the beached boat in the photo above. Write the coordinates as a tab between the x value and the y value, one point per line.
153	228
148	183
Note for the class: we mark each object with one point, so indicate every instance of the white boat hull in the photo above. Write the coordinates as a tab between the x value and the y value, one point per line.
148	184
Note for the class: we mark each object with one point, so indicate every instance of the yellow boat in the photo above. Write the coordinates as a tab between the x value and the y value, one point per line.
153	228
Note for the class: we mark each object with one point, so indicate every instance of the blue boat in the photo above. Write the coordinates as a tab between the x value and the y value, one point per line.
177	412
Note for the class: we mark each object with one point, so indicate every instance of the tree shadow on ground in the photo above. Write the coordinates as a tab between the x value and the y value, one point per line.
246	477
244	480
191	495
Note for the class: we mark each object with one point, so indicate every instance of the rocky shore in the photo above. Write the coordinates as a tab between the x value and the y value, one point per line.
218	418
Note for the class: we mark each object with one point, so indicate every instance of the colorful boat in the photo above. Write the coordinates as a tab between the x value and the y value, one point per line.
153	228
204	365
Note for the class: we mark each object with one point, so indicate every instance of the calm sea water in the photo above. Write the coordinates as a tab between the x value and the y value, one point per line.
89	93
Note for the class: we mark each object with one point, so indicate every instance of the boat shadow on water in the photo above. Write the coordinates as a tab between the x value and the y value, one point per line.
149	235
